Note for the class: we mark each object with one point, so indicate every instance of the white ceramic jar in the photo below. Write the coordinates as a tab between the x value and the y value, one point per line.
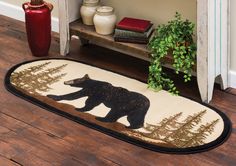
88	10
104	20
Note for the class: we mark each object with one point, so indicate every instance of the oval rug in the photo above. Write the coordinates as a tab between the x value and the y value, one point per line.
119	106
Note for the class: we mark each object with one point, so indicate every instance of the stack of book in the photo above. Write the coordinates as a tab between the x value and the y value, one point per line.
133	31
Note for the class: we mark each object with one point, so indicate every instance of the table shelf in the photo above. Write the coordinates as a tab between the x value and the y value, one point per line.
88	34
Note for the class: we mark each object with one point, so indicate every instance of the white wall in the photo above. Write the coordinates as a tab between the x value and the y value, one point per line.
19	3
233	35
13	8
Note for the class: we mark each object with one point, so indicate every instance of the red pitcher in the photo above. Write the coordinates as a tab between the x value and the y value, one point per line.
38	26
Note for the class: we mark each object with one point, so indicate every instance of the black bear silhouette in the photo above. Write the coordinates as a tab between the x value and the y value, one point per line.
121	101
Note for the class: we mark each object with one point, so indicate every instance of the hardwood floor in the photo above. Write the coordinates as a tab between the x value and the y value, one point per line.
31	136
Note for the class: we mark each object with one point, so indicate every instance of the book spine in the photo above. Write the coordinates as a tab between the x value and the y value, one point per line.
135	29
125	33
132	37
131	40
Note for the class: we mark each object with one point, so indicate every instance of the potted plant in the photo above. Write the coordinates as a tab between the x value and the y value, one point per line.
176	39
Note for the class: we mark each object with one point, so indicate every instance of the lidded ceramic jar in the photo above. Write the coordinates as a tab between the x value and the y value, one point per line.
88	10
104	20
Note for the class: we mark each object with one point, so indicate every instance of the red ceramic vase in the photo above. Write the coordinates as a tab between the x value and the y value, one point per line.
38	27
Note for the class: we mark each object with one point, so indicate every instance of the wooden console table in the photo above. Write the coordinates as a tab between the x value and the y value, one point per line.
212	40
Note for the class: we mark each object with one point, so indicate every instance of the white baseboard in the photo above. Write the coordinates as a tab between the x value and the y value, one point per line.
232	79
17	13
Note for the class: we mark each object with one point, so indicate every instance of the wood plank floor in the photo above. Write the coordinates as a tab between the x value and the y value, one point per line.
31	136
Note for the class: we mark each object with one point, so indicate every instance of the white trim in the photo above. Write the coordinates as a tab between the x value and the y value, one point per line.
17	13
232	79
55	24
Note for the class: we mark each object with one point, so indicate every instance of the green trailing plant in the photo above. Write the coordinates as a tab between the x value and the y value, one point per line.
173	39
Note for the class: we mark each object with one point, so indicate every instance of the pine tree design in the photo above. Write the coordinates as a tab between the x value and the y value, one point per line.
201	134
184	133
178	133
163	129
37	78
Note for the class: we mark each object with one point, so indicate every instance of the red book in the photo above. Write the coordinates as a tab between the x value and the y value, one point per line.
134	24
